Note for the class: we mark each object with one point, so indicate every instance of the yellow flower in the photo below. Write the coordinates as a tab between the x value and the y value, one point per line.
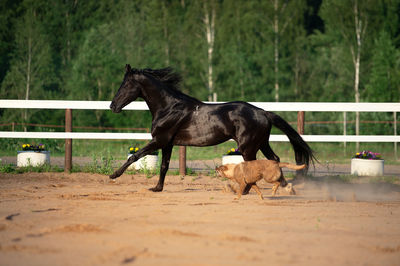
357	153
233	149
131	148
23	146
136	149
28	145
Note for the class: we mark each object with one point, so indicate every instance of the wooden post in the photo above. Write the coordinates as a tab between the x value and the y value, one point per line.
344	129
68	142
182	160
300	130
395	133
300	122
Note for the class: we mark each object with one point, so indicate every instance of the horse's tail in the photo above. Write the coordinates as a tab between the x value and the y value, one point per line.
303	153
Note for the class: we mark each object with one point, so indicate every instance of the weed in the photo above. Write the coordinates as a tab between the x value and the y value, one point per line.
6	168
103	165
9	168
385	179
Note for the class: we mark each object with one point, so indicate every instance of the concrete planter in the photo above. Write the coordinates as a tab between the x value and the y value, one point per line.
226	159
32	158
365	167
148	162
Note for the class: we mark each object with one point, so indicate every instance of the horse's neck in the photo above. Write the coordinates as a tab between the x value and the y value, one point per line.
156	98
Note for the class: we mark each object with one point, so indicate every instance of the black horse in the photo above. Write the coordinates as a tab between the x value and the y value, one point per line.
179	119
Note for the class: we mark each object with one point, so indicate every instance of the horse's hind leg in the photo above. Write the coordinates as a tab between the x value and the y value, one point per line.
166	156
269	153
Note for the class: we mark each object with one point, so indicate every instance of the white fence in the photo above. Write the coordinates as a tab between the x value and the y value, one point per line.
270	106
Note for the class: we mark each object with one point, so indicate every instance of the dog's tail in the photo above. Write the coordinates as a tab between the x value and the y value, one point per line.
303	153
292	166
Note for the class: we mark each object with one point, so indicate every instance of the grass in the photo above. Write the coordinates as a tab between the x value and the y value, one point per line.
105	152
103	165
10	168
118	149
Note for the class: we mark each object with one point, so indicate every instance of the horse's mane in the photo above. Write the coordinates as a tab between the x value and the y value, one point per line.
168	77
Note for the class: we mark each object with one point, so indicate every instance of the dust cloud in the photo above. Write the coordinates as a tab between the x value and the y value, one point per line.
337	191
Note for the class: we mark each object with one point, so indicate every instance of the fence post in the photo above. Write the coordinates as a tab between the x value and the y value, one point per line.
344	129
182	160
300	122
300	130
395	132
68	142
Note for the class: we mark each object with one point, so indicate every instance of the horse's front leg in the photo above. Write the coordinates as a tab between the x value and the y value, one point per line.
166	156
122	169
151	147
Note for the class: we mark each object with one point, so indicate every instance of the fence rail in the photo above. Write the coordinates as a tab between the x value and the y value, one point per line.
137	105
270	106
300	107
147	136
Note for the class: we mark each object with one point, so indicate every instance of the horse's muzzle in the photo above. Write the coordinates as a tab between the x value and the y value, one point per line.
114	108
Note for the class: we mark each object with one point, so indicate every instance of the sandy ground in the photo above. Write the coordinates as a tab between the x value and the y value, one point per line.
84	219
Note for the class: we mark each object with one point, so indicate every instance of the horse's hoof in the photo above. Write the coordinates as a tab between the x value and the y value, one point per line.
156	189
114	176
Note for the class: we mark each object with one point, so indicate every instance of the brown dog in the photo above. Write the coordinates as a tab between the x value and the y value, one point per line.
249	172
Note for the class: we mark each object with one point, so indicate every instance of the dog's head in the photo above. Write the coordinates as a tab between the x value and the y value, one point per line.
220	170
225	170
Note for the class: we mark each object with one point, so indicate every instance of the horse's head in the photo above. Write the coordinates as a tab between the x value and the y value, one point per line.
127	92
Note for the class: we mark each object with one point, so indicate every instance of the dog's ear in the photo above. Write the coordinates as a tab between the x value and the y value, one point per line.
221	167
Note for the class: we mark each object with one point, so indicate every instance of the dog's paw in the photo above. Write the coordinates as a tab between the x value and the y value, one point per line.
289	188
228	189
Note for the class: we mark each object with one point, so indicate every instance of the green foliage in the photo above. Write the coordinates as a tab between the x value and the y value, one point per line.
10	168
7	168
384	82
102	165
77	50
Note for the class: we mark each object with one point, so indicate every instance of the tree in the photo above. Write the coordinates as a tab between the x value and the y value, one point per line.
351	23
97	68
281	15
7	12
209	23
384	82
31	61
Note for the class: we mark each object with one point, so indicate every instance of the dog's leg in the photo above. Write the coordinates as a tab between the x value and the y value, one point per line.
257	189
242	186
289	188
275	187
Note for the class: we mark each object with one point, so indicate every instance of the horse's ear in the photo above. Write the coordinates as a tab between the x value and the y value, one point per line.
128	68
